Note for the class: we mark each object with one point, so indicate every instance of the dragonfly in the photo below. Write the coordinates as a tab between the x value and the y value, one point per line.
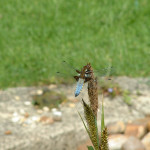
85	74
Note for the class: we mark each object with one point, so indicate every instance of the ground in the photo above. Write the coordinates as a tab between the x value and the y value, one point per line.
68	132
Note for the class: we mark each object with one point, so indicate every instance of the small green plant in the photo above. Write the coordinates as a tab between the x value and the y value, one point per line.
48	98
138	93
126	97
100	142
148	82
110	89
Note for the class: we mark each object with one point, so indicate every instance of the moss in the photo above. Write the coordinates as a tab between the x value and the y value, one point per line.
127	98
49	98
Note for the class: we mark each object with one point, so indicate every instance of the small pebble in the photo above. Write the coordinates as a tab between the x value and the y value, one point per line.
46	109
52	86
33	125
15	119
39	111
22	120
17	98
26	115
8	132
54	109
24	125
57	115
27	103
22	111
15	114
46	120
35	118
28	121
72	105
39	92
72	99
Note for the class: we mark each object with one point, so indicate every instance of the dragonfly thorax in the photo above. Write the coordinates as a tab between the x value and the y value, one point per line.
86	73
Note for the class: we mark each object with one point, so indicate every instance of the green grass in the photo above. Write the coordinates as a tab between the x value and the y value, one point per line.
35	35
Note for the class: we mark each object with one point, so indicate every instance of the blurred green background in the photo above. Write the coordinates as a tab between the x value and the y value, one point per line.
36	35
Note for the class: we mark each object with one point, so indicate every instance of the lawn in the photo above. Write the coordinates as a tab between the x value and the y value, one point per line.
36	35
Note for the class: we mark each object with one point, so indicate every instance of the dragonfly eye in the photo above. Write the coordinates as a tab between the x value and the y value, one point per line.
87	75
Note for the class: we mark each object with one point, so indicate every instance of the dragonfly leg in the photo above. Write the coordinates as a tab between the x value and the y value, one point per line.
78	71
76	78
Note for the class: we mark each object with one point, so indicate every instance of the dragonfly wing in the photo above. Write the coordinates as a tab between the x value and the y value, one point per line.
104	75
105	72
66	70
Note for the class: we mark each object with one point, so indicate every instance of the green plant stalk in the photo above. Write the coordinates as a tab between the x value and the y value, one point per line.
90	148
102	117
84	125
92	125
104	140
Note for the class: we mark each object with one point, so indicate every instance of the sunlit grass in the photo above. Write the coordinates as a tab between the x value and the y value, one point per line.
35	35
